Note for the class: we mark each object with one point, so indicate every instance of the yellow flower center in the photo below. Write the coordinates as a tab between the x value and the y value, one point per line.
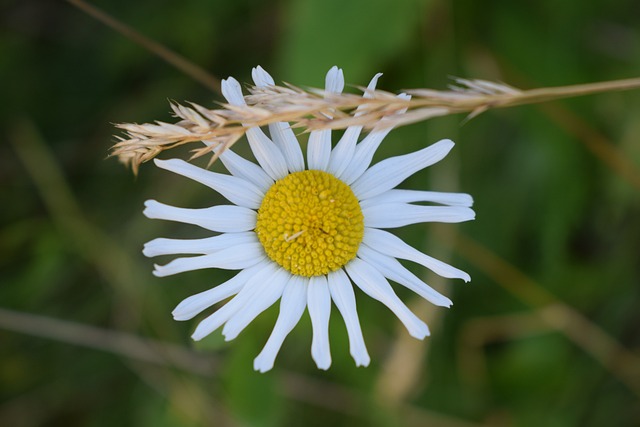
310	223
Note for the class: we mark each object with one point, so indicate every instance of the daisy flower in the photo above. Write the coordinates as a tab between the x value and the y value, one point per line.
305	234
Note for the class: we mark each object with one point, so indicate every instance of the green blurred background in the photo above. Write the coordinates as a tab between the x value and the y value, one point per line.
546	334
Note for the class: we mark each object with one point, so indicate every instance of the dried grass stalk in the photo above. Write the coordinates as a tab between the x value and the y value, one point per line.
314	109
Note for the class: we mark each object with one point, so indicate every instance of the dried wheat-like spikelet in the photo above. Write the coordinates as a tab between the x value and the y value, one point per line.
313	109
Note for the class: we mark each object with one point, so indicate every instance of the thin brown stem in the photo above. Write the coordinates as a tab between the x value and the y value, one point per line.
591	338
192	70
124	344
597	143
152	352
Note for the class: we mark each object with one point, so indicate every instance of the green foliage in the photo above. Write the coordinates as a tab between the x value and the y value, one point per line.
547	203
357	35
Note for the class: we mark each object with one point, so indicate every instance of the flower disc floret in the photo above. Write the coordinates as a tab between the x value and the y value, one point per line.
310	223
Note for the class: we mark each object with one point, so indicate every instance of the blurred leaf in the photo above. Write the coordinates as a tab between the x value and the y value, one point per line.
251	396
211	342
359	36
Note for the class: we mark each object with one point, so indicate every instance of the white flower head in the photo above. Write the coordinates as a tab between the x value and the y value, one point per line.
303	235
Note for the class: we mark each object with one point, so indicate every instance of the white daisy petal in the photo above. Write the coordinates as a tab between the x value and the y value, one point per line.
344	298
319	305
281	133
319	149
319	145
366	149
223	218
388	173
413	196
342	154
261	78
270	291
373	283
268	155
224	313
232	91
292	305
344	150
233	258
363	155
285	139
236	190
208	245
243	168
393	215
388	244
393	270
334	81
371	86
195	304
